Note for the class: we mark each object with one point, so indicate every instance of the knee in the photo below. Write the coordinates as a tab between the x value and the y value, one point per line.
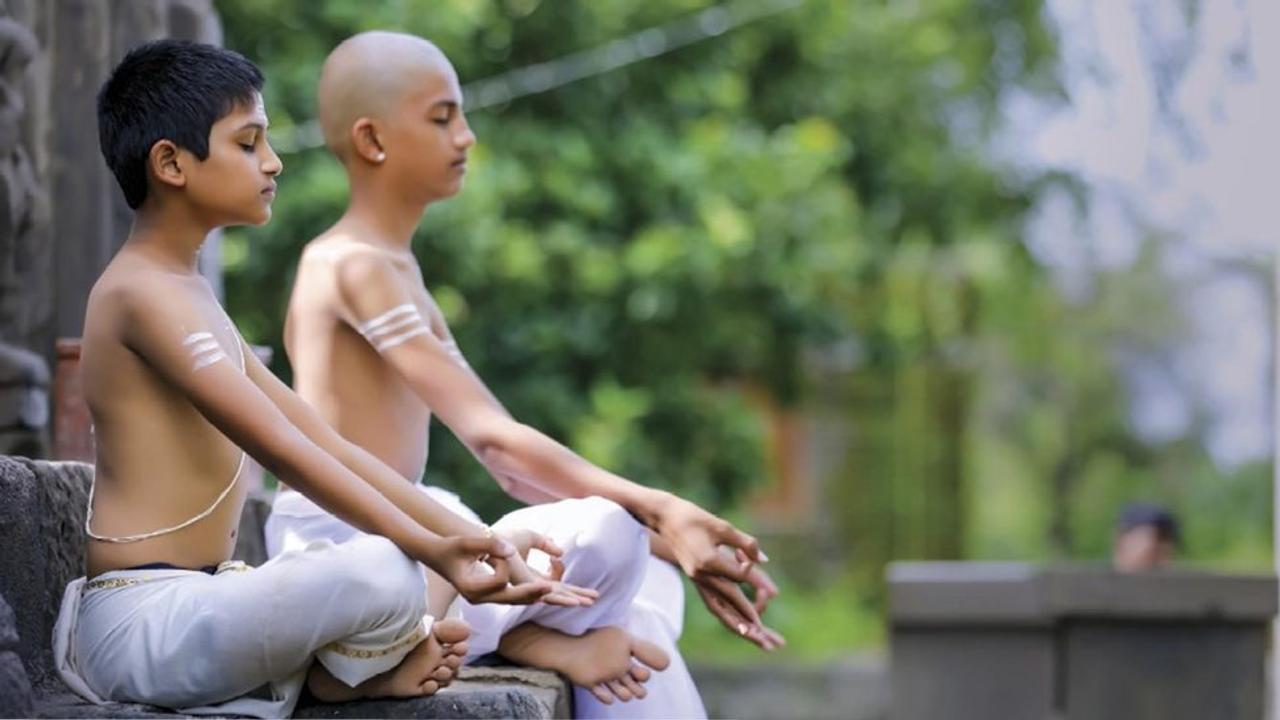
610	544
377	571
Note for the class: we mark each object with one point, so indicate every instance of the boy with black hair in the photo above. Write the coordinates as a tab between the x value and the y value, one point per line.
163	616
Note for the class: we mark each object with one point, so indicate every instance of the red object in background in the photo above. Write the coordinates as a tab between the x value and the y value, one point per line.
72	425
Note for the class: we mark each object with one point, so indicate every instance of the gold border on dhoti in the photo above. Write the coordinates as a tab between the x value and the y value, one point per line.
415	637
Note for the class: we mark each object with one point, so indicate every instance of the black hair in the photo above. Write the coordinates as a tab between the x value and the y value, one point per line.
168	90
1141	514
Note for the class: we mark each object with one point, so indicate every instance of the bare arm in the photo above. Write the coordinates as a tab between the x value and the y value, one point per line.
166	330
390	484
172	337
374	300
526	462
419	506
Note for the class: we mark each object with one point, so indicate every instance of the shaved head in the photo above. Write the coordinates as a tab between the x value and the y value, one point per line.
369	75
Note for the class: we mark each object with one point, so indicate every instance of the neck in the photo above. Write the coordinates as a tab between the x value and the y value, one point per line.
385	217
169	236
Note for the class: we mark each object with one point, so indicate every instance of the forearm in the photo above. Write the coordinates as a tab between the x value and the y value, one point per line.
313	472
395	488
530	458
661	549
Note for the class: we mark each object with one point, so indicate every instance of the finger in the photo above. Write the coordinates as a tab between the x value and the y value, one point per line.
636	689
557	569
547	545
619	690
562	599
480	545
734	595
734	537
522	594
640	673
730	618
476	589
501	569
765	590
602	694
775	637
725	567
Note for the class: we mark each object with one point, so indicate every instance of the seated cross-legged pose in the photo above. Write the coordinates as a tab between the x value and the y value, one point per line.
163	615
372	353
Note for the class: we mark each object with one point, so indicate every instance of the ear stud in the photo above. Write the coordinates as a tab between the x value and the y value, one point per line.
380	156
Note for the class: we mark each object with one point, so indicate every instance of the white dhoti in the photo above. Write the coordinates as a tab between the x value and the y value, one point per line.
240	641
605	549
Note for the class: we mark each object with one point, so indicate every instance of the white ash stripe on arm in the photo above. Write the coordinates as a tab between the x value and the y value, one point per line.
204	350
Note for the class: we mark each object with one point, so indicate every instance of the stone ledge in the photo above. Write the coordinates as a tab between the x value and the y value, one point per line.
990	593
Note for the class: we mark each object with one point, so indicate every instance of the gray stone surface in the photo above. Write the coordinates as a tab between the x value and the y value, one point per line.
15	688
16	699
24	399
854	688
42	508
982	640
1018	593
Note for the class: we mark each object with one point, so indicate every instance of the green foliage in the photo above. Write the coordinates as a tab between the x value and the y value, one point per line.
635	248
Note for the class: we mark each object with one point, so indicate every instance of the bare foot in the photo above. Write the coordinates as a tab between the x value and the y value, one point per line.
608	661
427	668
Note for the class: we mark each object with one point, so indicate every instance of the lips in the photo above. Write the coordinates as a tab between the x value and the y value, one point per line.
269	191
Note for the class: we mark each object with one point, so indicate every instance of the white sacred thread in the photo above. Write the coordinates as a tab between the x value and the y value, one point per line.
199	339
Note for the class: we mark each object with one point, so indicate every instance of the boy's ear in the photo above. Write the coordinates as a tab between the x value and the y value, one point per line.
163	159
365	142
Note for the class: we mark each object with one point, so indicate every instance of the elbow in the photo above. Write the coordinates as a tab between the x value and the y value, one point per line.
499	449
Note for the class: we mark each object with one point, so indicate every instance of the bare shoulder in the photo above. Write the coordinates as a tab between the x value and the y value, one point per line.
131	293
361	270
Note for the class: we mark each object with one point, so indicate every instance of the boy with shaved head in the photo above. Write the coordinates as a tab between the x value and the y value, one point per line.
163	616
372	352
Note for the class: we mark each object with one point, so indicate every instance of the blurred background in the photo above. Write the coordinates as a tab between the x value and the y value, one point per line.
937	279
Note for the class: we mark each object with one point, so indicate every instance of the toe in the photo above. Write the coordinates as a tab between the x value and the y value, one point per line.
637	690
602	694
650	654
451	630
619	690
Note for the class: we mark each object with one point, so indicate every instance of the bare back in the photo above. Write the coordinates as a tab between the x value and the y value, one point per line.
340	374
159	461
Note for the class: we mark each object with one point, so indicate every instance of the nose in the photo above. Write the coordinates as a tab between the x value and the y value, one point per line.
464	139
273	165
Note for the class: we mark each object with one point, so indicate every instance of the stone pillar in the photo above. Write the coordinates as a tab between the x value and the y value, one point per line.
988	640
62	216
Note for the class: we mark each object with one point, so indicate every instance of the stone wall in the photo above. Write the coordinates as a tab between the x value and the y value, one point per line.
62	216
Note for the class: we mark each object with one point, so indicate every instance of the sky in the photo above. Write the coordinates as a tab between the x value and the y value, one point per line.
1171	123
